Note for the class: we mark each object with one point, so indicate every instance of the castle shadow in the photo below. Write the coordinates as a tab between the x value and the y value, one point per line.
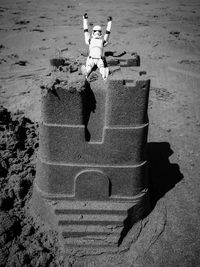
88	106
162	176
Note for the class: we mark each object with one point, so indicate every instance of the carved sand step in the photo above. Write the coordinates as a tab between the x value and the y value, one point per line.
89	223
92	207
103	229
81	218
92	241
92	235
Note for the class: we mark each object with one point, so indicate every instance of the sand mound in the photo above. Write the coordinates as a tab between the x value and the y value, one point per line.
23	241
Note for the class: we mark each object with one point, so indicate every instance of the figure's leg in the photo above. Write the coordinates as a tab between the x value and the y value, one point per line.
104	71
86	70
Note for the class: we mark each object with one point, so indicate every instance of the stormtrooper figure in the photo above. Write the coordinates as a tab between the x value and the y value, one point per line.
96	44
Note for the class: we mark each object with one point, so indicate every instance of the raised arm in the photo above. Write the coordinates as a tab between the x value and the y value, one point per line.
85	28
108	29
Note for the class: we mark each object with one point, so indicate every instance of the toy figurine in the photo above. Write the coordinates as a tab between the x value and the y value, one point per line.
96	44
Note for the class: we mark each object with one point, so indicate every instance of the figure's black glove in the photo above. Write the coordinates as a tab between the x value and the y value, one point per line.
85	16
109	19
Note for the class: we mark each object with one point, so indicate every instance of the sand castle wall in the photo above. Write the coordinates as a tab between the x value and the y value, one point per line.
92	153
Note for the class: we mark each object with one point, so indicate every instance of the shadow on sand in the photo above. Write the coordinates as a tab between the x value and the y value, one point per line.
88	106
162	176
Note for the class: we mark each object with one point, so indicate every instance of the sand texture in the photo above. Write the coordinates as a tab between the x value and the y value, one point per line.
166	36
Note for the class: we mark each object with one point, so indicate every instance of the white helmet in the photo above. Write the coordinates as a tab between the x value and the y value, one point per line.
96	32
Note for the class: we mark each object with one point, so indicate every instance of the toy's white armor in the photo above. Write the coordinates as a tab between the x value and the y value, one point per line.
96	48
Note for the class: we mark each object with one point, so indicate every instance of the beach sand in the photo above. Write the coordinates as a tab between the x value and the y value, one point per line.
166	35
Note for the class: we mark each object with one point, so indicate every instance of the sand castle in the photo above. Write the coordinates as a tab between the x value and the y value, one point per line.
92	183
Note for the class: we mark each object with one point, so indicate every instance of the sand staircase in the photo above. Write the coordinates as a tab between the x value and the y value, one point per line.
92	223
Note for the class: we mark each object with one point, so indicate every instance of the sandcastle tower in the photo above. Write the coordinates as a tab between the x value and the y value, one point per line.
92	182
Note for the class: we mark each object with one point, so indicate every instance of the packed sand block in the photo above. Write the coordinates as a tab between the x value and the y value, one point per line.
92	182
